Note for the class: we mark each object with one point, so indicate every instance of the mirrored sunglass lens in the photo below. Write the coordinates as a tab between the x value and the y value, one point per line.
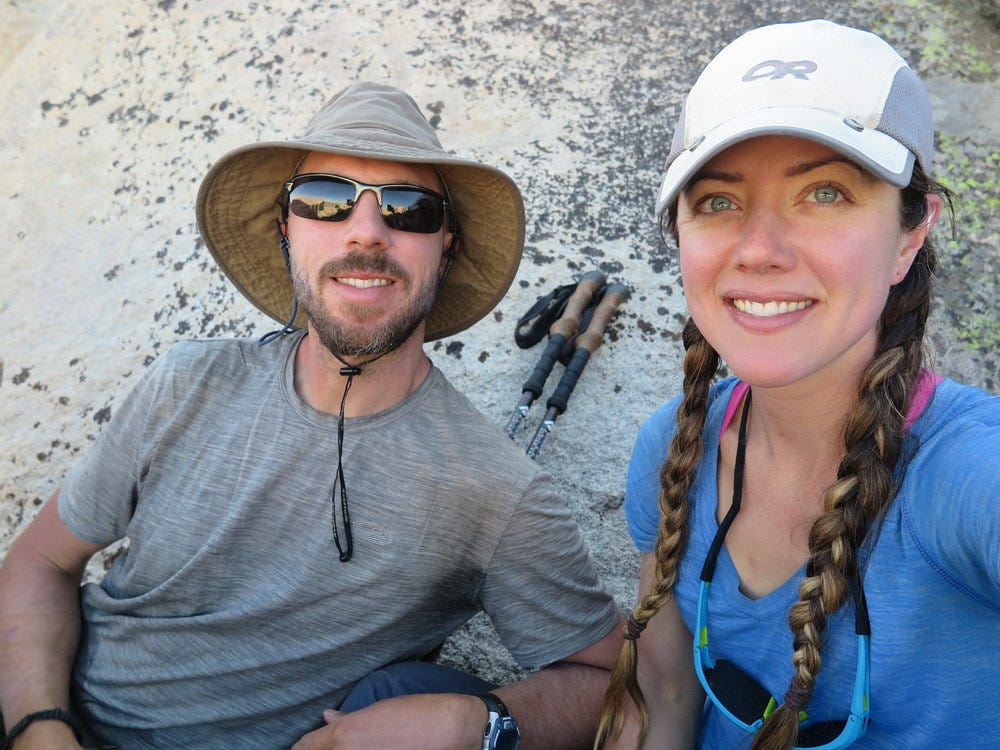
740	693
819	733
322	200
412	210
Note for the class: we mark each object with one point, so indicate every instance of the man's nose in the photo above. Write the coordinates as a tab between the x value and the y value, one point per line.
365	225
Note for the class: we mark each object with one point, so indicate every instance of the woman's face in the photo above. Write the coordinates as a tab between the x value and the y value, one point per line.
787	254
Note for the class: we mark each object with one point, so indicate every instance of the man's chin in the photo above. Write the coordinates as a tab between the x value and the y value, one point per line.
352	330
361	340
357	315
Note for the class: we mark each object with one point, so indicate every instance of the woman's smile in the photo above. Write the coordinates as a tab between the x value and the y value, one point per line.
788	251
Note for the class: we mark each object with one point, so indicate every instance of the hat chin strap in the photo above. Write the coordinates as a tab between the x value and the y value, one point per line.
450	256
350	371
346	550
284	245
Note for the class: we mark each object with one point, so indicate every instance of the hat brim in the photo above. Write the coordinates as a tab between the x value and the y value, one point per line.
882	155
237	215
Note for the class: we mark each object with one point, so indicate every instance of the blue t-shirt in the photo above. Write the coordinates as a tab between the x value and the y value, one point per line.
932	580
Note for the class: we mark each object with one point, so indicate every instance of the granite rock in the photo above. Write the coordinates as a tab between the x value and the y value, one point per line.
114	110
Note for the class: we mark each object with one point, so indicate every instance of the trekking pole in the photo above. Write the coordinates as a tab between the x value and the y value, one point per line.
586	344
564	328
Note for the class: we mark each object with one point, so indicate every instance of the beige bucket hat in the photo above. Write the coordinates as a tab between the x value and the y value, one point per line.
236	207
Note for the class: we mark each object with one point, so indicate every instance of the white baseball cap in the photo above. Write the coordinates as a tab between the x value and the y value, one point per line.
842	87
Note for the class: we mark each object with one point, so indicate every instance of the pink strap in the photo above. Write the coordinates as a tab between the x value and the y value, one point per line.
923	389
733	405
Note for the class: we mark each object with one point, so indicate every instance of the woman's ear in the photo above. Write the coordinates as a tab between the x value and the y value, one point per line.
912	241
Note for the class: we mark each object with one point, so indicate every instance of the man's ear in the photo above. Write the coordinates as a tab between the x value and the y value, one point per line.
913	240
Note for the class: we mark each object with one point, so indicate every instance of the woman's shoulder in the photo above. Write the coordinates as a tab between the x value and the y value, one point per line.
955	441
661	425
950	487
959	428
642	486
954	403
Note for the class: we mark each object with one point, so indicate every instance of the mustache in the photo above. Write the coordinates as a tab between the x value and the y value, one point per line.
362	262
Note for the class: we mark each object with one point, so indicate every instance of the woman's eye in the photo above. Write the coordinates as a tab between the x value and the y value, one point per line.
826	194
716	203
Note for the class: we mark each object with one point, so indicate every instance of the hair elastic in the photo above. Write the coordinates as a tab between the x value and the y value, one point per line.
633	628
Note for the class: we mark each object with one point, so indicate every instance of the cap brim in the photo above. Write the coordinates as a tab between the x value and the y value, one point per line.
877	152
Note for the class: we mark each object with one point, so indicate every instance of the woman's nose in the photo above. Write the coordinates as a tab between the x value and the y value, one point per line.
765	243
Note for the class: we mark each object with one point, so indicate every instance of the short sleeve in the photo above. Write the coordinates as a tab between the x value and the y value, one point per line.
950	495
642	488
541	589
98	496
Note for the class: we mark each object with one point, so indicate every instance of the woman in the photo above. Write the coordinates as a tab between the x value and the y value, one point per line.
826	522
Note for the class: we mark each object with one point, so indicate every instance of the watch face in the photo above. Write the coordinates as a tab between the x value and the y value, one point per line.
507	737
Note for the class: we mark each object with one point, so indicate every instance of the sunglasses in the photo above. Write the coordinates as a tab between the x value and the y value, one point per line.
330	197
740	697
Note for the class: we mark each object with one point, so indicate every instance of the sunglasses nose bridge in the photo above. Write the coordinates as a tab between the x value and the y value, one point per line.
360	189
365	222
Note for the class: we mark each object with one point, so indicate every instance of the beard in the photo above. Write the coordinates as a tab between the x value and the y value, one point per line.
356	334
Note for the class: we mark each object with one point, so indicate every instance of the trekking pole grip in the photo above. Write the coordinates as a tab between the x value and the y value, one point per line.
591	339
569	322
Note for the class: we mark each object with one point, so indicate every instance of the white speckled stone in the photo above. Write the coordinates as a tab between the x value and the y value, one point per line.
114	110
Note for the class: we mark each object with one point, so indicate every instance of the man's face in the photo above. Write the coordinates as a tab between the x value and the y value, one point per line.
365	288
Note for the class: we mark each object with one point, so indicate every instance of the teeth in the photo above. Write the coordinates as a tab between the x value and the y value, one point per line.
769	309
363	283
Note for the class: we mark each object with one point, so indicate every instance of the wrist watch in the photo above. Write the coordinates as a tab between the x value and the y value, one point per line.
501	731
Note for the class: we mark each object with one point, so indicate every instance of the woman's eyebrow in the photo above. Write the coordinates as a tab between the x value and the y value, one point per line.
800	169
712	174
793	171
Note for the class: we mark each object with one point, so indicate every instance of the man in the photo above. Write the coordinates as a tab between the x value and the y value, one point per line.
309	508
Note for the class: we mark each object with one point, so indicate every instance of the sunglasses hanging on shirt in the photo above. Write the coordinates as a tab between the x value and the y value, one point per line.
739	696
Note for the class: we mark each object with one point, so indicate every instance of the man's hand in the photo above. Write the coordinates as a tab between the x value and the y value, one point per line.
410	722
40	622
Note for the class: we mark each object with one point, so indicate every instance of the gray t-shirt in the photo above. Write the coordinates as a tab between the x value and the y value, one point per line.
230	621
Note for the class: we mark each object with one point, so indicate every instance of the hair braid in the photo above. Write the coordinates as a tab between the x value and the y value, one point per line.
873	438
701	362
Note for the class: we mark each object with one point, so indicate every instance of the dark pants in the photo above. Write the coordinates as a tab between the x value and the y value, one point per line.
404	678
409	678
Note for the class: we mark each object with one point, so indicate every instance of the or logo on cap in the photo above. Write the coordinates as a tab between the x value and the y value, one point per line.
775	69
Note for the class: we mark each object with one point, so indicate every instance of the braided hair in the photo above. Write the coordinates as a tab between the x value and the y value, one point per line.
676	476
863	490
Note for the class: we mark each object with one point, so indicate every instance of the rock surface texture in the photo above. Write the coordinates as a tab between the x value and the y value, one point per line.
113	111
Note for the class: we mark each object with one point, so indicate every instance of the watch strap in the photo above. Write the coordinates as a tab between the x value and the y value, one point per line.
49	714
493	704
501	729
